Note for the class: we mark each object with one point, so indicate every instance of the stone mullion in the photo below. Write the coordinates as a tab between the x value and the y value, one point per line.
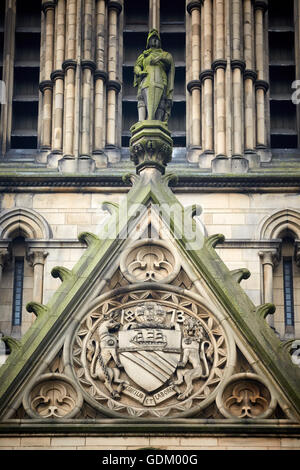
194	86
219	67
57	77
37	261
69	67
8	74
207	77
88	66
269	260
113	85
250	77
154	14
238	66
100	77
4	255
261	85
46	85
297	58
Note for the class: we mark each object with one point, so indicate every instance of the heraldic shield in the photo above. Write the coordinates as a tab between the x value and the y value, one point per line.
149	355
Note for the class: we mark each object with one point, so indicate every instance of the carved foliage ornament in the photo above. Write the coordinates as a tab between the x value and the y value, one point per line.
150	353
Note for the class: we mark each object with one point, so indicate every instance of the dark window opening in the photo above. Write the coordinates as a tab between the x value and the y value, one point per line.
18	291
282	73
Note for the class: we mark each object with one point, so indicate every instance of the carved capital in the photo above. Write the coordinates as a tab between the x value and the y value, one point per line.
269	257
101	75
69	64
297	252
193	84
57	74
262	84
194	5
115	5
219	64
37	257
250	74
114	85
4	257
238	64
48	5
206	74
45	85
151	145
88	64
261	5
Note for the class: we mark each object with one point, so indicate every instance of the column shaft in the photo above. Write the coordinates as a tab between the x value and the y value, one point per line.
100	77
207	78
114	9
58	78
7	75
267	259
195	71
261	85
87	67
220	111
69	110
69	66
46	85
86	112
154	16
237	111
37	259
220	74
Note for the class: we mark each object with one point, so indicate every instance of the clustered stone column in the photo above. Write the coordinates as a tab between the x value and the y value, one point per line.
194	85
88	67
57	77
4	256
7	75
113	85
206	77
249	79
37	260
261	85
46	85
80	84
269	259
100	77
231	134
154	14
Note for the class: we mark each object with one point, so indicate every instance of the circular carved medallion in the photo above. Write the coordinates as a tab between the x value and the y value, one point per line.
53	396
245	395
152	352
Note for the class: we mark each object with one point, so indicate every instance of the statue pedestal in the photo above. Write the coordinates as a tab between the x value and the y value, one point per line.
150	145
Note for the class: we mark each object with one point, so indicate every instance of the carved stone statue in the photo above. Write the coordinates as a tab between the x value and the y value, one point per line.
154	76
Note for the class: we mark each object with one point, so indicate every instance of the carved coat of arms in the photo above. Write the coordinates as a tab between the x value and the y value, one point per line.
147	355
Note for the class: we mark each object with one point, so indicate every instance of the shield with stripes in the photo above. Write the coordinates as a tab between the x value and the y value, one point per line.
149	355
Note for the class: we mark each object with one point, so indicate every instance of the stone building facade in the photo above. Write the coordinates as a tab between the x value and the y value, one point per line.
68	104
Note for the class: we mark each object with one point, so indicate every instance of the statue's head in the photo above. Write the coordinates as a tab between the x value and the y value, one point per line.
153	40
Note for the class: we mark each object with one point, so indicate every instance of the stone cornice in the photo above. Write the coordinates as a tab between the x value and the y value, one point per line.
134	427
189	182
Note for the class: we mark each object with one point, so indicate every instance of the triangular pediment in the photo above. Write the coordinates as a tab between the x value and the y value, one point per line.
149	324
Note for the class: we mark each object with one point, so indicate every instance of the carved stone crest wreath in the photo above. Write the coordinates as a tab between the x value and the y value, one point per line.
150	350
